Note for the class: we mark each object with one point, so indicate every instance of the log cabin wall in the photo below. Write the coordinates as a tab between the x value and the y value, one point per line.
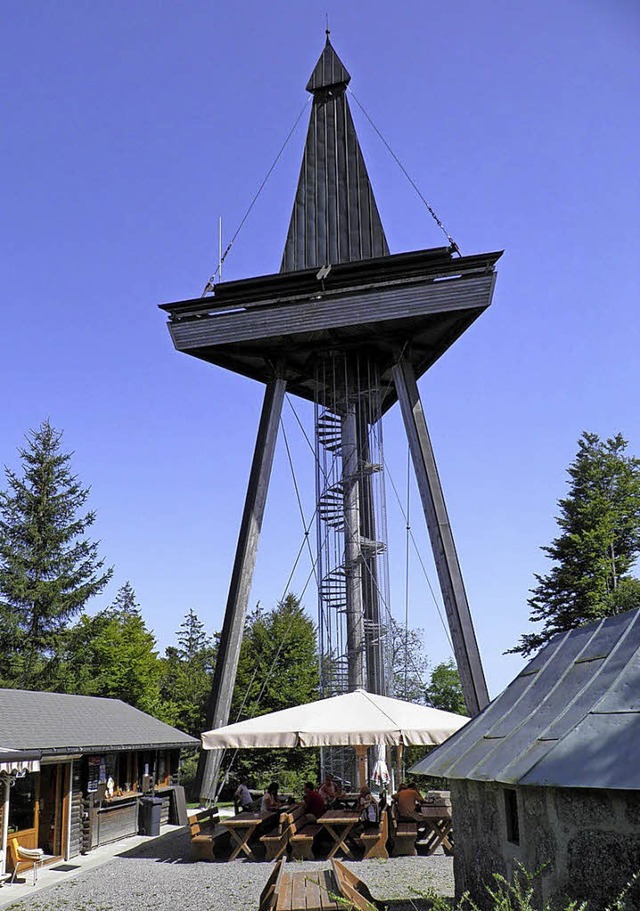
104	820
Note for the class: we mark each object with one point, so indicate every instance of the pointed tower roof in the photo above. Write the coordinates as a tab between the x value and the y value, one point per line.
335	218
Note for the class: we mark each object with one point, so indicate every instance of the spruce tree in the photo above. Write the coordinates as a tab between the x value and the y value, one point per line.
187	676
113	654
278	668
598	544
49	569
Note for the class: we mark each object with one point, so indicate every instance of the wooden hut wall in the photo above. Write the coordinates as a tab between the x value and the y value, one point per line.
76	820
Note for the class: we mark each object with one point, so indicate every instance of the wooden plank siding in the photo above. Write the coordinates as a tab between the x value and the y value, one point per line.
264	321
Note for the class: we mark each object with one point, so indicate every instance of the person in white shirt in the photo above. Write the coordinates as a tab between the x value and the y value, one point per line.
242	796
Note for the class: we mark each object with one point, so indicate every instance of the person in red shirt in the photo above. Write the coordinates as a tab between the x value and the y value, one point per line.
407	800
314	804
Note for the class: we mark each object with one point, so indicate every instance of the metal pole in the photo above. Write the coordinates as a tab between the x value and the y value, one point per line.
240	587
352	550
463	635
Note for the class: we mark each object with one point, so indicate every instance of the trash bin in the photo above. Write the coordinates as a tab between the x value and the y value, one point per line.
150	808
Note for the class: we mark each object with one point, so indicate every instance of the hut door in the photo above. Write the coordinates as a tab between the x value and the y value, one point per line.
52	823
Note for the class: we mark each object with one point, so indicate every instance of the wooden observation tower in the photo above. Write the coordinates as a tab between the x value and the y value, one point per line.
350	327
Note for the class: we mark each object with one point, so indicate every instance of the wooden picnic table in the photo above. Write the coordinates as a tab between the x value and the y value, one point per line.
437	822
339	824
243	826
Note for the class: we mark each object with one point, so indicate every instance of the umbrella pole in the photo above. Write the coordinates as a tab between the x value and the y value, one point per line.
399	752
361	755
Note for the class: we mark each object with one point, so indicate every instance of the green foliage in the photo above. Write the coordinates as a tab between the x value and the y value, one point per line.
48	568
187	675
409	663
278	668
518	894
113	654
514	895
599	542
444	690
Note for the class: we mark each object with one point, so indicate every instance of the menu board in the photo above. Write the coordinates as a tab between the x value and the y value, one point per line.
93	773
96	772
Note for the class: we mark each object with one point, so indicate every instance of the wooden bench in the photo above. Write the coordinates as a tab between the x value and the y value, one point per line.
294	890
353	889
374	840
404	841
276	842
301	834
206	833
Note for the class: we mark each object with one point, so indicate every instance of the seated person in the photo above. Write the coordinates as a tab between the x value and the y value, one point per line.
368	806
407	798
314	804
369	815
329	789
242	796
270	801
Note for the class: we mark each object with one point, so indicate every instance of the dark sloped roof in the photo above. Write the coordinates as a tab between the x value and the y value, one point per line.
329	70
571	718
335	218
59	723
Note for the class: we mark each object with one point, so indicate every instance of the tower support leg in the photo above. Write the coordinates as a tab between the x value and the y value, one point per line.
463	635
240	587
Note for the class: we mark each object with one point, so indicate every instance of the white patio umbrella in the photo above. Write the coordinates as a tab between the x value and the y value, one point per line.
357	719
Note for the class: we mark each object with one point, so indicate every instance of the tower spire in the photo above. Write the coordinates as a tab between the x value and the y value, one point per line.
335	218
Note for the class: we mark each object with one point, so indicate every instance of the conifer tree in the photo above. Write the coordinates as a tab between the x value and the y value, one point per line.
49	569
187	676
598	544
278	668
113	654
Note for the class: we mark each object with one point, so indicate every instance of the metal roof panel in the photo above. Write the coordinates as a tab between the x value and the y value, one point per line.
601	752
574	721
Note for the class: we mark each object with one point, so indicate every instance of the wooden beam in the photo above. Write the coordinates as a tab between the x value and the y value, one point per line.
240	587
463	635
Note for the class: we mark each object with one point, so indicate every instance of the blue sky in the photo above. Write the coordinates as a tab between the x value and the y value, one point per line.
130	127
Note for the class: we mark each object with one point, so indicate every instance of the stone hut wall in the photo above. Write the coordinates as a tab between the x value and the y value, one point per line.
588	840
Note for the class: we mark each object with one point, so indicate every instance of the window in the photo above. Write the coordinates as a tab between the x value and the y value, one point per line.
511	813
22	804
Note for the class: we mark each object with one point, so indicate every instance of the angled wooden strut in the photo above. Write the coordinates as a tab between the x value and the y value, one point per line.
242	575
463	635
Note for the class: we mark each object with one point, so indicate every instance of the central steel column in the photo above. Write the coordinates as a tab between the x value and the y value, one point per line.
352	550
374	642
228	655
463	635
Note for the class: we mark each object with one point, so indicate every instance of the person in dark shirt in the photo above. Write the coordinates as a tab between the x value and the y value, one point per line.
314	804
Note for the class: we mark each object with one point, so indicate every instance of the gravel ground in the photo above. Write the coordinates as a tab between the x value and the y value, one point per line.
159	877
